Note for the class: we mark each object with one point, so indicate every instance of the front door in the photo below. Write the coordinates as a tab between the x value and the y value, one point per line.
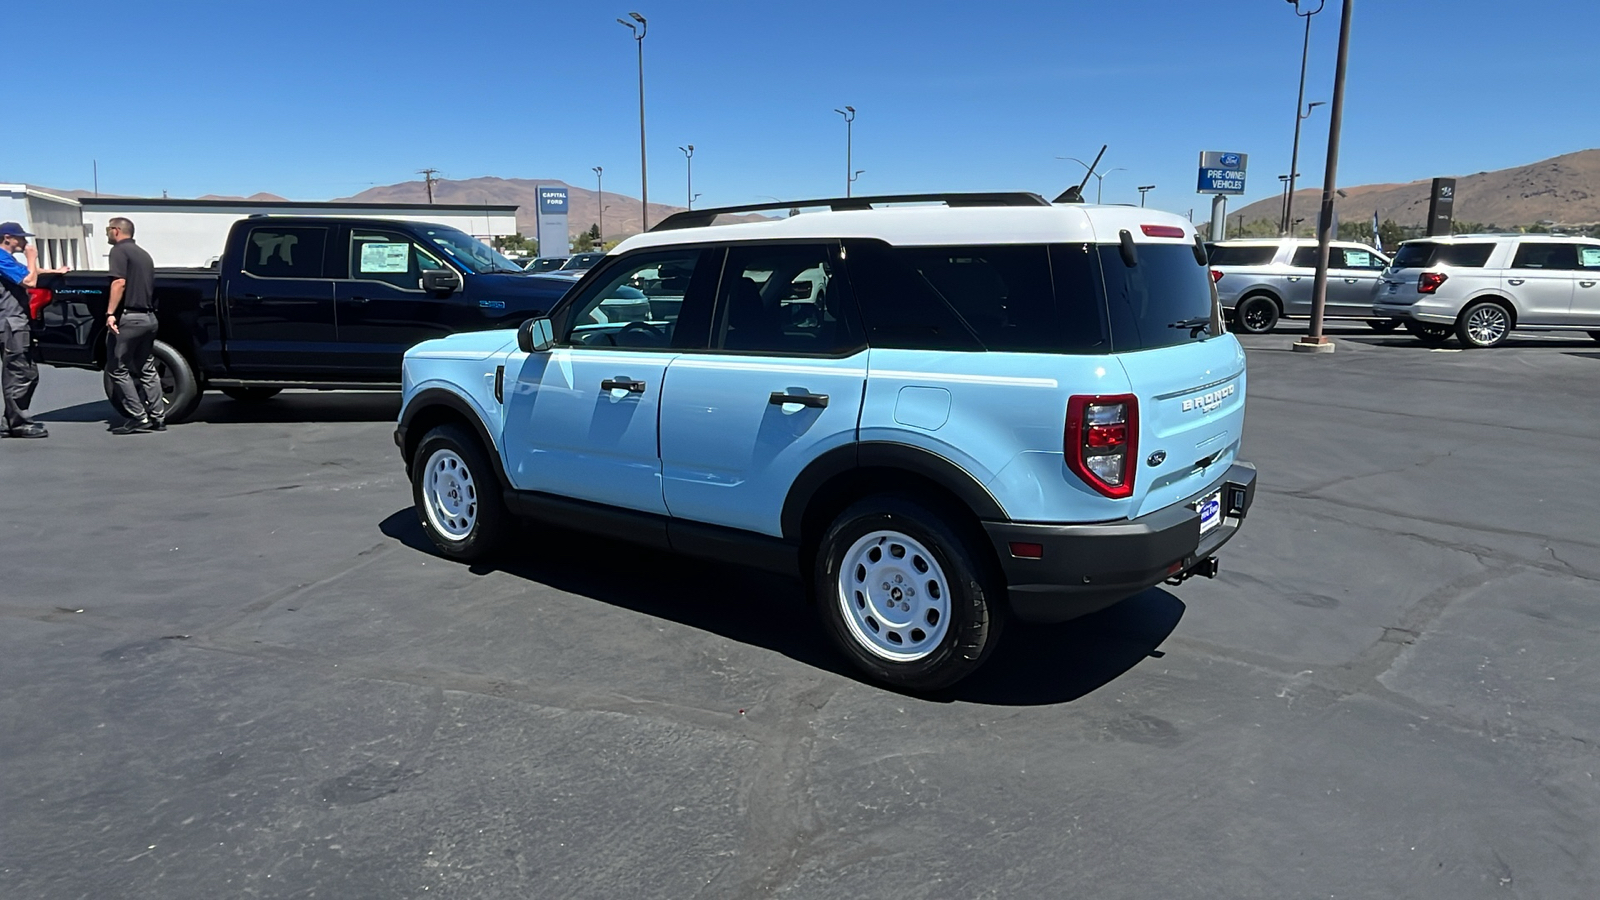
1541	278
382	310
781	384
1298	281
280	305
1586	292
582	418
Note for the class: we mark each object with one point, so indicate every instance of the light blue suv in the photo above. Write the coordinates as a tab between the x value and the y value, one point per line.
936	416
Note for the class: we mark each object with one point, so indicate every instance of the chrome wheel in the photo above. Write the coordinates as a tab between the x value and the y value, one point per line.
450	495
1487	325
894	595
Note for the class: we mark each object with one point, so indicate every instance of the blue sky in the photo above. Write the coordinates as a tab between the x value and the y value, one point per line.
315	100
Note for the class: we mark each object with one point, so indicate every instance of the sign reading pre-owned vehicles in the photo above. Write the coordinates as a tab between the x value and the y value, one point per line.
553	235
1222	173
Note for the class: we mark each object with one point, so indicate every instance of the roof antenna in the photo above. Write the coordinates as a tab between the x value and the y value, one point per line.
1074	194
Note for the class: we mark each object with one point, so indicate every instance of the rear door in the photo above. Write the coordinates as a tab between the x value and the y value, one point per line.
1190	385
1542	278
1353	275
780	385
280	306
1297	280
1586	293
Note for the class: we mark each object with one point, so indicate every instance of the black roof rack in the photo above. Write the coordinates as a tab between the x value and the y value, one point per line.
699	218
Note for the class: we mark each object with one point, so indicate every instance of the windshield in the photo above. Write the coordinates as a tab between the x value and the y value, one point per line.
470	252
584	261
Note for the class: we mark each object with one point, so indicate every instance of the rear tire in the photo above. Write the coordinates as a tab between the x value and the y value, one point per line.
1383	326
179	387
906	595
1256	315
1431	335
251	394
458	495
1483	324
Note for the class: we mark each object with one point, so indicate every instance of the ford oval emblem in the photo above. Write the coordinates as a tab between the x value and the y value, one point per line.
1157	458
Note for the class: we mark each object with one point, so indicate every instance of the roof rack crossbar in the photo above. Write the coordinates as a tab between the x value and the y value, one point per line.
699	218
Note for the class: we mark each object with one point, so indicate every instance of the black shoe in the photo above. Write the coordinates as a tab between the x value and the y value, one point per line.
157	425
132	426
31	430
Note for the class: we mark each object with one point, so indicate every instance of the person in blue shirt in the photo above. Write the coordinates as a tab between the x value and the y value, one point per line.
18	373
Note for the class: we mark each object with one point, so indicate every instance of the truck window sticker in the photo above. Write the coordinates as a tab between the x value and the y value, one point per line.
385	258
1589	257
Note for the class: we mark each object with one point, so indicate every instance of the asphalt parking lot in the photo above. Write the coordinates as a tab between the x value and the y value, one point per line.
229	666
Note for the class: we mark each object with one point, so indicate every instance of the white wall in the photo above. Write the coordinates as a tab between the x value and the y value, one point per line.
193	236
56	222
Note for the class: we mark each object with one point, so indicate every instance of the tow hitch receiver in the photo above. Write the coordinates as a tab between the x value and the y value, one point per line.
1207	567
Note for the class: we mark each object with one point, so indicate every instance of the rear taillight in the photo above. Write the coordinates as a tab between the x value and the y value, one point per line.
38	299
1216	275
1430	281
1101	439
1167	231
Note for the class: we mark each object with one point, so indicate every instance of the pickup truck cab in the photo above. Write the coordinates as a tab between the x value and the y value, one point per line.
937	417
301	302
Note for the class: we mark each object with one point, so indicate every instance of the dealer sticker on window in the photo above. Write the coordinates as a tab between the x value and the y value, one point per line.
1210	512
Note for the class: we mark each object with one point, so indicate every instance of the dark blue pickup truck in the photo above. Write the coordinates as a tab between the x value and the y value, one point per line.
301	302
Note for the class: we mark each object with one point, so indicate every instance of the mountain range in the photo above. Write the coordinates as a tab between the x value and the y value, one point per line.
617	215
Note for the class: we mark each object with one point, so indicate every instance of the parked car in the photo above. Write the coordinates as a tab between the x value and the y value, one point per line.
581	261
301	302
1262	281
545	263
1482	287
999	408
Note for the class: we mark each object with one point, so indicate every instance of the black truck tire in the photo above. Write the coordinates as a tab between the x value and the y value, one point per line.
1256	314
178	384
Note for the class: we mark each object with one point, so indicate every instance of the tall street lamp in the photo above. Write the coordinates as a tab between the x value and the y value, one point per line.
849	113
1314	341
1144	189
644	177
600	200
1299	103
688	159
1099	177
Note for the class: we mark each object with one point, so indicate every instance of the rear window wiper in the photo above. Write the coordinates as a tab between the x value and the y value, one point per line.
1195	325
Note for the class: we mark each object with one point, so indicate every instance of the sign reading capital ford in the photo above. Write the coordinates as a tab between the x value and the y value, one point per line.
1222	173
552	201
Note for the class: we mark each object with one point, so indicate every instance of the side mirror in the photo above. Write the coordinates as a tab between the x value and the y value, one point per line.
441	281
535	336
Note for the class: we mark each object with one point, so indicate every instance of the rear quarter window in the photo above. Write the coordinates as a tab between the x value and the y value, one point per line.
1159	302
1423	254
1224	255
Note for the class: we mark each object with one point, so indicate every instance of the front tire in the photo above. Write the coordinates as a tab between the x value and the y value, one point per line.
457	495
1483	324
906	595
1256	315
179	387
1429	334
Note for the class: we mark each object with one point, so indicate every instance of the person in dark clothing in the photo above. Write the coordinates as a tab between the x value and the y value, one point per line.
131	321
18	373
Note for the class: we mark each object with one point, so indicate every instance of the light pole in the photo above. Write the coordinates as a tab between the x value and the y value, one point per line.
688	159
1300	101
644	177
600	200
849	113
1144	189
1099	177
1314	340
1283	200
853	179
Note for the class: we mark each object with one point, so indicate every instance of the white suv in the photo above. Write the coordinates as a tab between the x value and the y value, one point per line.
1481	286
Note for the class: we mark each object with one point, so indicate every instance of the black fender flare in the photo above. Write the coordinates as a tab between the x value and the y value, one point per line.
433	398
887	455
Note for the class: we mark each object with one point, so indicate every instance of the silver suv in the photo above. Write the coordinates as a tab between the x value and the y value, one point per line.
1481	286
1261	281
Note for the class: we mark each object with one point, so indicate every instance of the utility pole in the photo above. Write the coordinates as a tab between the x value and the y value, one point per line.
644	176
849	113
428	179
1315	342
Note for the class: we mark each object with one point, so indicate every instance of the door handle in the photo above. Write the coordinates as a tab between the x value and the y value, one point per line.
1585	284
815	401
622	384
1515	280
1352	281
1296	277
358	300
252	298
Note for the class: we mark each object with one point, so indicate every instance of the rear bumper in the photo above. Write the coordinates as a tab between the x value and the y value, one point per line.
1085	568
1433	313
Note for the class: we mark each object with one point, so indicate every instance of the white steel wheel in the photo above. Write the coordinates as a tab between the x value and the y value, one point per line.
894	596
1484	325
450	494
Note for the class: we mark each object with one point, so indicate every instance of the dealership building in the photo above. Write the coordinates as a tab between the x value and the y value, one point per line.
181	233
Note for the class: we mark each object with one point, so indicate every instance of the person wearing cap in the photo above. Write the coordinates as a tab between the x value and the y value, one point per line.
135	384
18	373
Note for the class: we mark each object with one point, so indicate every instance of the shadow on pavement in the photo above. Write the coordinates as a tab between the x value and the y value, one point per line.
1033	665
290	406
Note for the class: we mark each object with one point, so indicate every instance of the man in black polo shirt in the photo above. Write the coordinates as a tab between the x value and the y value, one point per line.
135	386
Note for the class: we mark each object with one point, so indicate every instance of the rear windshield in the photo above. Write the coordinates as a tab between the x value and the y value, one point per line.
1163	301
1423	254
1226	255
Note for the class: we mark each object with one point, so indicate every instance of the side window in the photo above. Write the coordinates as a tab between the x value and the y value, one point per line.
899	308
278	252
1588	257
1544	255
1359	258
388	257
637	302
1306	258
785	299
